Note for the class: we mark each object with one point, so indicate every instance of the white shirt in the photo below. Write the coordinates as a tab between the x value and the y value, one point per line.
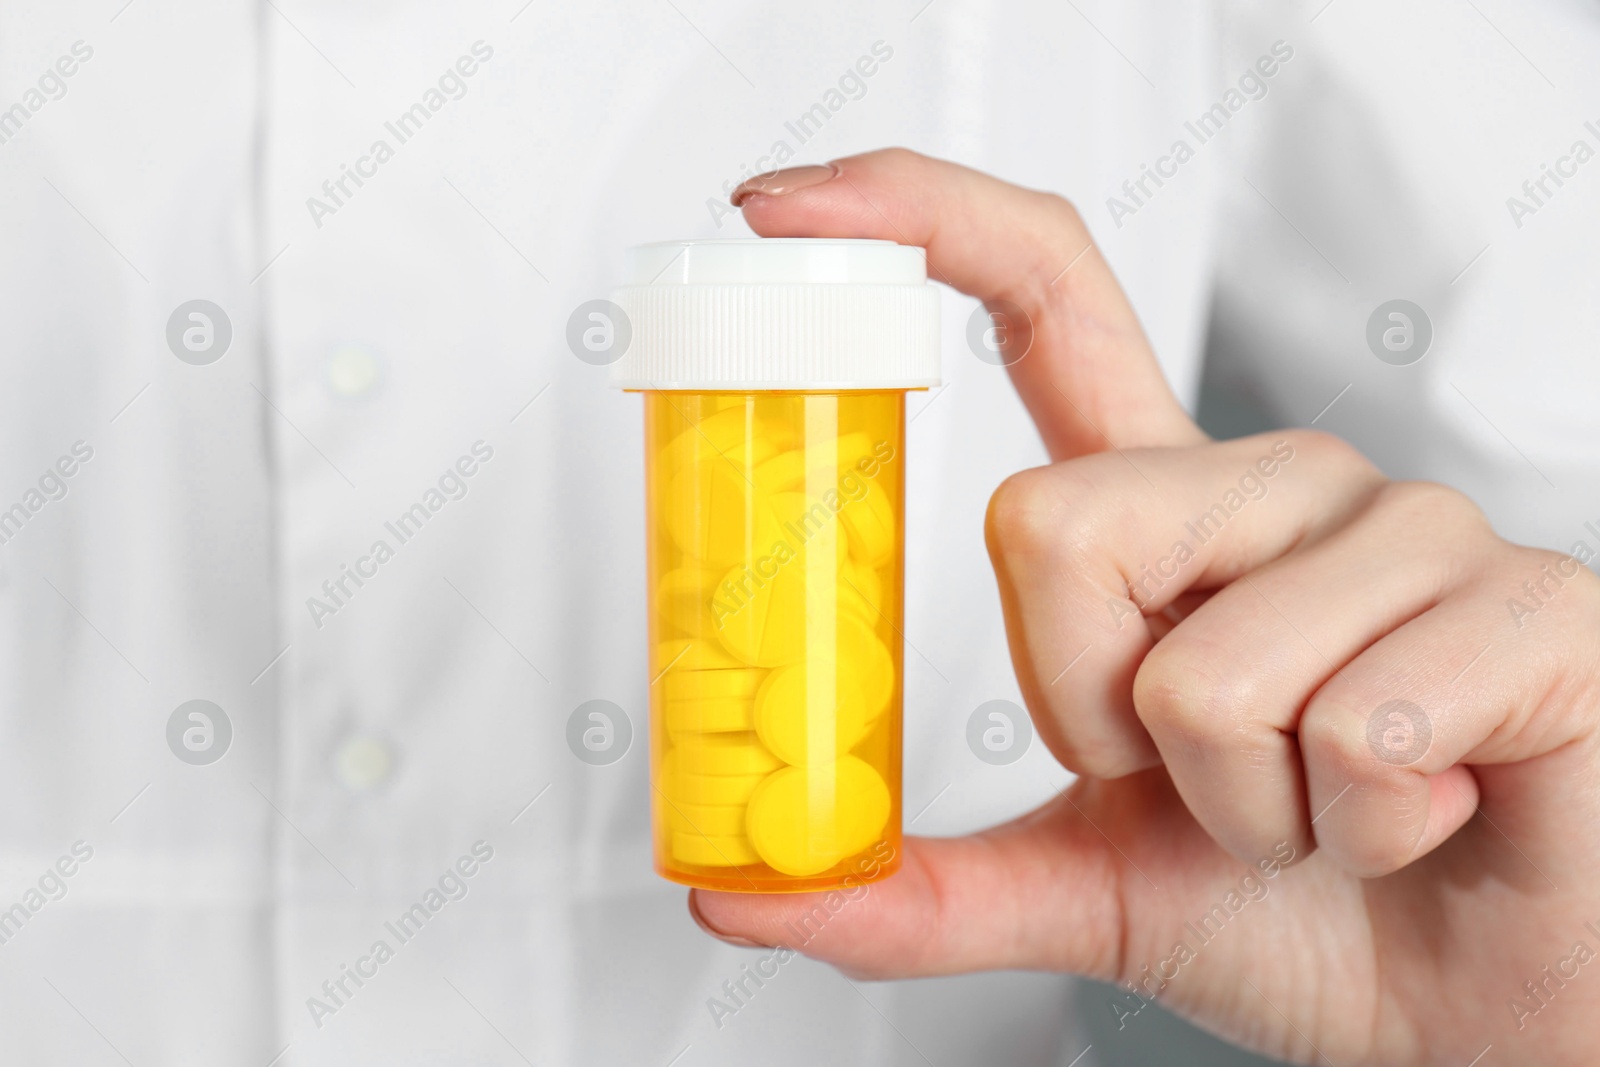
383	332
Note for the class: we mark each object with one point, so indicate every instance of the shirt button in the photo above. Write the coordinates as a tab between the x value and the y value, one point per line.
363	763
353	371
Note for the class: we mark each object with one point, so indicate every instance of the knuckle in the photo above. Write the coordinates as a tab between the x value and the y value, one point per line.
1328	451
1103	758
1429	504
1032	515
1586	584
1333	738
1557	568
895	164
1462	541
1049	288
1021	514
1064	209
899	155
1182	697
1368	749
1550	588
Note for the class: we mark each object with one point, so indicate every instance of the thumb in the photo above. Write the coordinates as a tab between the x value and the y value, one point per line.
1083	366
1037	893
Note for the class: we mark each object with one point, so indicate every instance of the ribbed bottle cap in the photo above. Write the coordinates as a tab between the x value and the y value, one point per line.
778	313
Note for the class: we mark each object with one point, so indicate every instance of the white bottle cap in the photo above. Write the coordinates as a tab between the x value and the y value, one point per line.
778	313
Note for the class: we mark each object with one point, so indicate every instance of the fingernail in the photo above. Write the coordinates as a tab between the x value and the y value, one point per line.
700	921
783	182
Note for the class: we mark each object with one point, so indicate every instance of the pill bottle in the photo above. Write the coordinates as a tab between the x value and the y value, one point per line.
774	374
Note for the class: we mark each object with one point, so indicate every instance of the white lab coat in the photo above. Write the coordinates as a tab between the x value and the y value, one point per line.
417	320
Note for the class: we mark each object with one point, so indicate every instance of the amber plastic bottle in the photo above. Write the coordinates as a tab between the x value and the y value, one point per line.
774	374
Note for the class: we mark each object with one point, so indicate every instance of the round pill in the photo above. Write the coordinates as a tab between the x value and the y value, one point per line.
712	851
761	620
809	526
853	447
683	598
707	820
869	522
714	513
681	684
709	715
733	432
761	611
804	716
862	589
867	662
817	467
783	473
704	788
803	820
731	753
692	654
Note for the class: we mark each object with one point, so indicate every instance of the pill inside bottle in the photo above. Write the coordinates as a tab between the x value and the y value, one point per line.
774	376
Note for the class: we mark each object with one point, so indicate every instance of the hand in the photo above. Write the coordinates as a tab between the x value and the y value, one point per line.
1337	796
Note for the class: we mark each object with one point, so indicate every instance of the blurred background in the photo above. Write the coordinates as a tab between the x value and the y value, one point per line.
385	214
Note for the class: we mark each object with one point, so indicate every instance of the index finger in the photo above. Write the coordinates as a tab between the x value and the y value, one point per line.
1090	380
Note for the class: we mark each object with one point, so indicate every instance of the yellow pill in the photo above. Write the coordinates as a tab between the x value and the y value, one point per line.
731	753
681	684
706	820
714	513
809	526
784	472
712	851
862	589
709	715
815	469
803	820
684	598
761	620
801	723
692	654
852	448
733	432
869	523
761	610
704	788
866	662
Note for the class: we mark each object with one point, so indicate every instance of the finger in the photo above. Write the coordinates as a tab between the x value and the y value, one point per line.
1040	892
1089	378
1085	550
1397	744
1222	694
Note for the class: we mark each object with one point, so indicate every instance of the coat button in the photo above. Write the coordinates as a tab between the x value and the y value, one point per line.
363	763
353	371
